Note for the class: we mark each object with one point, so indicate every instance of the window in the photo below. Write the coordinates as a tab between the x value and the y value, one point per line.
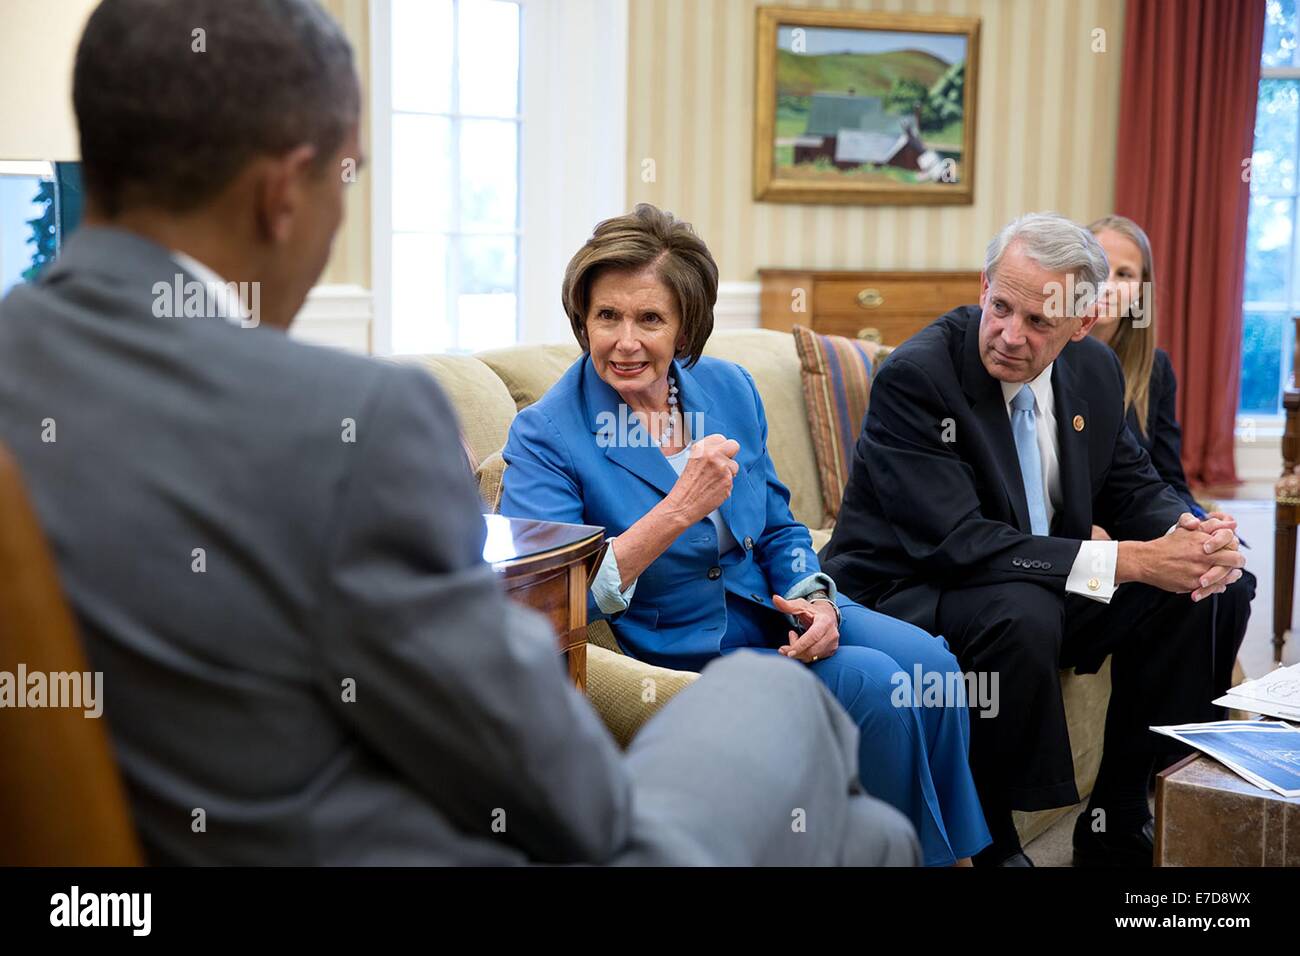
40	204
498	138
452	206
1272	287
27	233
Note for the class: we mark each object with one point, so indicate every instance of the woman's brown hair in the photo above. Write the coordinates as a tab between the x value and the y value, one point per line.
1134	343
648	236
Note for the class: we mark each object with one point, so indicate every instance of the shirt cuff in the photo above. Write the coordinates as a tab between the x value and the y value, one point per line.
814	582
1093	572
605	586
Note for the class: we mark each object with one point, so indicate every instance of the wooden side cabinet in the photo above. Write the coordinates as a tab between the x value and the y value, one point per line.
885	307
545	565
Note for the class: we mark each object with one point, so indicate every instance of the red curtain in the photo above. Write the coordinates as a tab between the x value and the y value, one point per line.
1186	125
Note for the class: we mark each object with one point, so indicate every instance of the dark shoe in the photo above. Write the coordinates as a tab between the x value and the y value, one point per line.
1017	859
991	857
1132	848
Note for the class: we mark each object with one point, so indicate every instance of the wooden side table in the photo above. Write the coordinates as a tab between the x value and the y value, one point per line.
1206	815
546	565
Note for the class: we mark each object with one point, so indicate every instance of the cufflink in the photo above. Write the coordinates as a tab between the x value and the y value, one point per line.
1078	423
1094	584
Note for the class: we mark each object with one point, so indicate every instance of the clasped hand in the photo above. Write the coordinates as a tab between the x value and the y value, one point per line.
1199	556
821	636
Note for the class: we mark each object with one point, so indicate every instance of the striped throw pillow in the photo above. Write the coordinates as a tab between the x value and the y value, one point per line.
836	388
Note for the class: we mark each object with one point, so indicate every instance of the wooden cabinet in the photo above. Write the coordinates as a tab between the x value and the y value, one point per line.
885	307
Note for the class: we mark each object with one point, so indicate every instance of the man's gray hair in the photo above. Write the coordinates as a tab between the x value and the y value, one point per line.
1055	243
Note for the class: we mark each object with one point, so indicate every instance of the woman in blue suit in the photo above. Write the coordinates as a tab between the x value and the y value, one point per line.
668	451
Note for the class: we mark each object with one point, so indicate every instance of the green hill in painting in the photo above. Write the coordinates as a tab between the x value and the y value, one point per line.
866	74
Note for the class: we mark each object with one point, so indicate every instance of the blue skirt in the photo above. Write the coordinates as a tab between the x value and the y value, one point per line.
904	690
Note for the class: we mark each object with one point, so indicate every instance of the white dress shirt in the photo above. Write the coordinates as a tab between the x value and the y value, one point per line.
224	305
1093	572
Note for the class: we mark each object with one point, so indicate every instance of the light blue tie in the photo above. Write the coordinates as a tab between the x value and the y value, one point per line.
1024	426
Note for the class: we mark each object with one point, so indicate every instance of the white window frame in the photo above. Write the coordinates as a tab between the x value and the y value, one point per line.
1259	437
573	104
1251	427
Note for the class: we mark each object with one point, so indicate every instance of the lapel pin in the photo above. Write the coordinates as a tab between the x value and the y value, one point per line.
1078	423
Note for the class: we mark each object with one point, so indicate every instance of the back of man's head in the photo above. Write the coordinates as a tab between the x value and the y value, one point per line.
174	98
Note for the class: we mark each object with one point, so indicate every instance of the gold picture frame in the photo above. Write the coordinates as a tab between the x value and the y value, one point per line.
865	108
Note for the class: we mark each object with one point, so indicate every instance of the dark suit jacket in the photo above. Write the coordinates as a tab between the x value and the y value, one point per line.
324	561
922	514
1163	440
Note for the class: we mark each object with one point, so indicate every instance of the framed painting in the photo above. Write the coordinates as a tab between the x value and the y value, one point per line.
869	108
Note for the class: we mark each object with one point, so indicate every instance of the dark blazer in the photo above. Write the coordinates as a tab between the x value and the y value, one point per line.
1163	440
325	561
922	514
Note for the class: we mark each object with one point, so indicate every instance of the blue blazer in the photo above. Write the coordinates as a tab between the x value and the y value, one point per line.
562	468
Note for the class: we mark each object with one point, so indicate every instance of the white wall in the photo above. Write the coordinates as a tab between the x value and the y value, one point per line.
38	40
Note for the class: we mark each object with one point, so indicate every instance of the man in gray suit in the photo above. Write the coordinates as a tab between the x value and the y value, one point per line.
274	550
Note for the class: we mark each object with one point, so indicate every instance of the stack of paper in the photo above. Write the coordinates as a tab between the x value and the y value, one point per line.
1276	694
1262	752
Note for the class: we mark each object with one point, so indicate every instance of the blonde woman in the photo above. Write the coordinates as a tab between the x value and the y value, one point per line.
1128	325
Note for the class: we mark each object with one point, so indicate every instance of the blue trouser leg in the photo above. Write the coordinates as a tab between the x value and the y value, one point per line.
910	755
945	724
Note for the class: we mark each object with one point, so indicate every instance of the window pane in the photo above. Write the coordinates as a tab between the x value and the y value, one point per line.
487	321
422	31
489	57
1279	33
487	264
489	175
419	294
421	173
1268	248
486	304
1272	167
1261	362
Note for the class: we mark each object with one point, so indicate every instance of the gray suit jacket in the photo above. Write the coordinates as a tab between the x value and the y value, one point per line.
322	561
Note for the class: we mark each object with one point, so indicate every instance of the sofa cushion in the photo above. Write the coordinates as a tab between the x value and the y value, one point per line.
836	373
480	399
770	358
627	692
489	474
529	370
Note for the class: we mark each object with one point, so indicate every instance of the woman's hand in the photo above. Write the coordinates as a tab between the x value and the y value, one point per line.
1099	533
821	636
705	482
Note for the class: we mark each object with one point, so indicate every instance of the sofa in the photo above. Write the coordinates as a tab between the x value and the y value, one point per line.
488	388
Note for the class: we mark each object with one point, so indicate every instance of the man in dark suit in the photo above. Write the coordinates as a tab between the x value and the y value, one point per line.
275	550
994	441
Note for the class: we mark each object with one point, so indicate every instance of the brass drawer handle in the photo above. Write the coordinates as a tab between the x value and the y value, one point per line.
870	334
870	298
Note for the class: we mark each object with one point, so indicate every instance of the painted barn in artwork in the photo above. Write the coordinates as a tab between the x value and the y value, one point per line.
851	131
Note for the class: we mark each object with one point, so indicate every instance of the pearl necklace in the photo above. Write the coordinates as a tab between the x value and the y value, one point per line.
666	434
